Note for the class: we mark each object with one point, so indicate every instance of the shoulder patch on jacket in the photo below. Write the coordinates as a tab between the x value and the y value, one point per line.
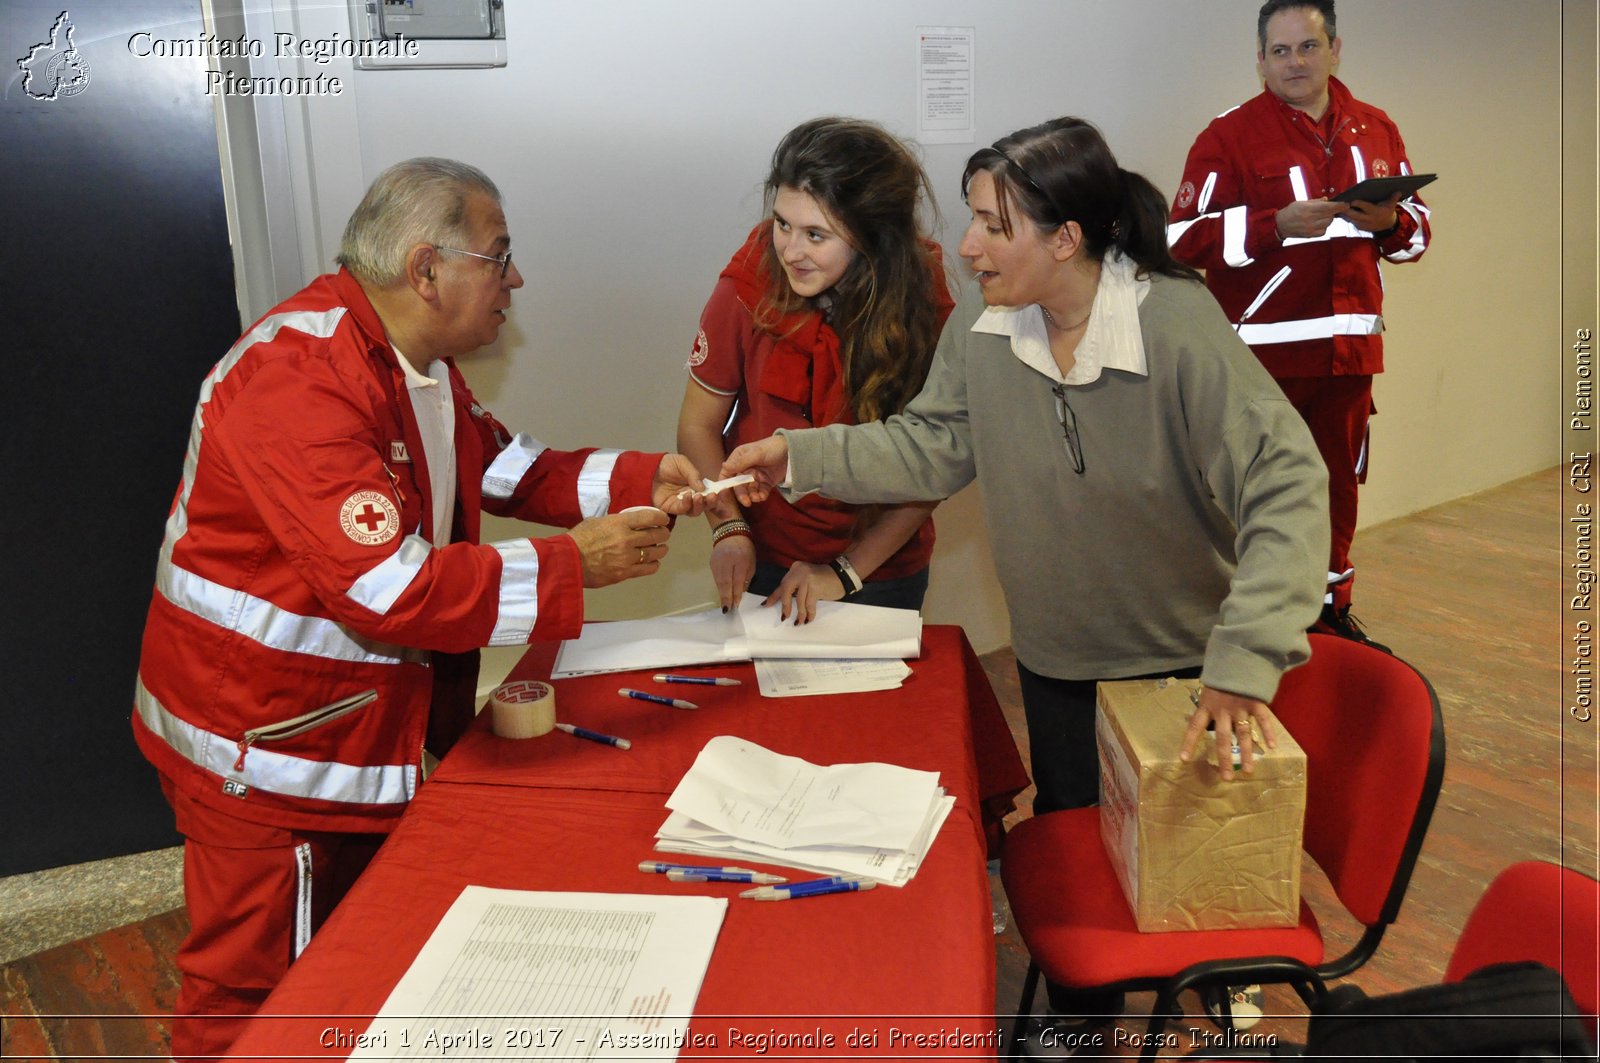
369	518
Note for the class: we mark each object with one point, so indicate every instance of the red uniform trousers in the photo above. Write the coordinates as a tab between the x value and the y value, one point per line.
255	893
1337	409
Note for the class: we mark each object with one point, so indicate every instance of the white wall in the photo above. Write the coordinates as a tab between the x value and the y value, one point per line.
630	139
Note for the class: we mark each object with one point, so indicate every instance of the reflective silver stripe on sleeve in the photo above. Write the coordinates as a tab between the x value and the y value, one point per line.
279	773
1361	164
279	629
594	483
302	898
1419	241
321	324
1234	222
1297	181
501	478
1312	328
1338	229
1205	192
519	593
386	581
1176	230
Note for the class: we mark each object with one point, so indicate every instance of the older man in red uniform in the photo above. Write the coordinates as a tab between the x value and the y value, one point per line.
1295	269
321	592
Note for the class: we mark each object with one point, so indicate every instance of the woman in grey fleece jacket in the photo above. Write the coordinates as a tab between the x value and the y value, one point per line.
1155	505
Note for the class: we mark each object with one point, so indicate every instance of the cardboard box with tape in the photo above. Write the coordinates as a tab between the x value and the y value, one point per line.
1194	852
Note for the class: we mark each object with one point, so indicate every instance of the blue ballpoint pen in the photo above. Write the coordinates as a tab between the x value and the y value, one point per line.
812	883
701	680
594	736
702	873
815	888
686	875
639	695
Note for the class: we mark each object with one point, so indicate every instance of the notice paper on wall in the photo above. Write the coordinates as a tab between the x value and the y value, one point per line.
515	974
946	86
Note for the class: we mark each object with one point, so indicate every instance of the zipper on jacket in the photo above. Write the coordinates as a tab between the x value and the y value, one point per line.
303	723
1266	292
395	480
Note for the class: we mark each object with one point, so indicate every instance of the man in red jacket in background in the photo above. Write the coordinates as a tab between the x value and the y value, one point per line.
1295	269
321	594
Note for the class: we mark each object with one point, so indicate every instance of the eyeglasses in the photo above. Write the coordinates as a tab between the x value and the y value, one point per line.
504	260
1069	427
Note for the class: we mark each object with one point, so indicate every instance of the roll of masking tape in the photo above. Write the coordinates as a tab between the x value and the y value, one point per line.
523	710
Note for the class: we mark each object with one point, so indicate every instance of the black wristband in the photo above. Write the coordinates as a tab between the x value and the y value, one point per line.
847	575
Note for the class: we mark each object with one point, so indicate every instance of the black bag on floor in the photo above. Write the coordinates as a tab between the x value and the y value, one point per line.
1511	1011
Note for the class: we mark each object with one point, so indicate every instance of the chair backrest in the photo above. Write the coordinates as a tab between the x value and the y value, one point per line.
1542	912
1374	740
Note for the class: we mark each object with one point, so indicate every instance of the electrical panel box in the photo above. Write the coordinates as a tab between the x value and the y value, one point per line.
429	33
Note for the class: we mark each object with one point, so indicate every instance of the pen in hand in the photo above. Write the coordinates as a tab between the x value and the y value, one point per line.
639	695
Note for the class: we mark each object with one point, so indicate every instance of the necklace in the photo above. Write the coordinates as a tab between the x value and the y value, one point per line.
1070	328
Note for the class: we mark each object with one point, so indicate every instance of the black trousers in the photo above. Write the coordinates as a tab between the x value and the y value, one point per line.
1060	715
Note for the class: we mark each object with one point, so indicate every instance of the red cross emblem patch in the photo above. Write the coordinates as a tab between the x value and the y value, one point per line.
1185	194
701	348
1380	168
369	518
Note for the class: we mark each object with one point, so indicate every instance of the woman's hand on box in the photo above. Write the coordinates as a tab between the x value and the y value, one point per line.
1231	713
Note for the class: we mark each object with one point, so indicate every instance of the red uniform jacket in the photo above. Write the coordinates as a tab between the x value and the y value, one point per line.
1307	307
303	626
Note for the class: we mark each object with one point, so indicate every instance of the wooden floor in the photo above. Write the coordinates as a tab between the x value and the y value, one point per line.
1468	592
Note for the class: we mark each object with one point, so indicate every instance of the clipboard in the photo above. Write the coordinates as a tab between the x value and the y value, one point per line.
1378	189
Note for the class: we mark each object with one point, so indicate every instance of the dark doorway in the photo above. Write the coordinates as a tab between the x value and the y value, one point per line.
119	296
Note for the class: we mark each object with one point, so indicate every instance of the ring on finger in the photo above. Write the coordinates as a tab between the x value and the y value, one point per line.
641	555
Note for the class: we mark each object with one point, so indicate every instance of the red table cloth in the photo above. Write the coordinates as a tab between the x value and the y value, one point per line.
889	973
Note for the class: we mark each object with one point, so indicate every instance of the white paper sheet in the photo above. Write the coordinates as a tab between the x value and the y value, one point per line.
513	974
802	676
840	629
892	867
739	788
742	801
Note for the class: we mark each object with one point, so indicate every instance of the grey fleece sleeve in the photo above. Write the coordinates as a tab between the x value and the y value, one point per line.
1265	472
921	455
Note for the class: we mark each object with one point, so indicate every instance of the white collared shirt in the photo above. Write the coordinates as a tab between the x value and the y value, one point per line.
432	403
1111	341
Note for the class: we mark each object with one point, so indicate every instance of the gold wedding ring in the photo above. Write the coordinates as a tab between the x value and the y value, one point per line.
641	555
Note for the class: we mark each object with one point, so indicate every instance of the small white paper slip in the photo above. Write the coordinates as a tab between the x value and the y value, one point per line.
713	487
798	677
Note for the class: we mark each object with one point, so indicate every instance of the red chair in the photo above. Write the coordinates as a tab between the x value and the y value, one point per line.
1541	912
1374	742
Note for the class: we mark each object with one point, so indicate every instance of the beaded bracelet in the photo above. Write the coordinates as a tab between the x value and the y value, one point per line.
728	529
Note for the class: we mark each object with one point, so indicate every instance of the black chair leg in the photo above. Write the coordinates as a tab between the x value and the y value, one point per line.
1166	1008
1030	986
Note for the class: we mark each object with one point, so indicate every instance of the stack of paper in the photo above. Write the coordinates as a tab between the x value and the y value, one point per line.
754	631
740	800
